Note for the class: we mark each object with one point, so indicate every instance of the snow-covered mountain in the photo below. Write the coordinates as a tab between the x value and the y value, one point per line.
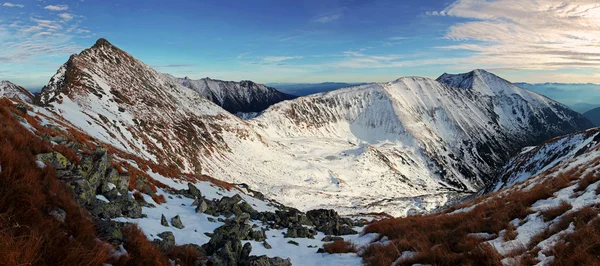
398	147
236	97
11	90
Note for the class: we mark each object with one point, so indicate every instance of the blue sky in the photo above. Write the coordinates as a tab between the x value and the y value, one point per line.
310	41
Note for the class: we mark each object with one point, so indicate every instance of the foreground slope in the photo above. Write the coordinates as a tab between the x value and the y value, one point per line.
11	90
549	215
236	97
400	147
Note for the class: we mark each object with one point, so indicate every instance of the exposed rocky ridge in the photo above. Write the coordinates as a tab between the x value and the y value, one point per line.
236	97
11	90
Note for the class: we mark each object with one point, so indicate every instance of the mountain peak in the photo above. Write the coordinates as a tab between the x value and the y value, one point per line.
102	43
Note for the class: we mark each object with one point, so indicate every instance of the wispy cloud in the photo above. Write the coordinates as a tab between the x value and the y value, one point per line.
57	7
65	16
527	34
280	58
327	18
7	4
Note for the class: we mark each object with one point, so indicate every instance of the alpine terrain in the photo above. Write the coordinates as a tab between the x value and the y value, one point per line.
400	147
115	163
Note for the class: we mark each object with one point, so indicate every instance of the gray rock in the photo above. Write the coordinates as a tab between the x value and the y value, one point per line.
331	238
163	220
266	245
167	240
202	206
176	222
194	191
293	242
58	214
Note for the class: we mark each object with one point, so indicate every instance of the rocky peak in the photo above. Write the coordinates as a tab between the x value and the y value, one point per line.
102	43
11	90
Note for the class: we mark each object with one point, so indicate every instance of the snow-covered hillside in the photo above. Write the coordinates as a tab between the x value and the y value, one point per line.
399	147
236	97
545	212
533	161
10	90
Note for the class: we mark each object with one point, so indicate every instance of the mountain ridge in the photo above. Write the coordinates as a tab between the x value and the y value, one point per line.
403	147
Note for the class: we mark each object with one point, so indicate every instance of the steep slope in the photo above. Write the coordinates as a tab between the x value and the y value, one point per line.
548	215
236	97
593	115
10	90
123	102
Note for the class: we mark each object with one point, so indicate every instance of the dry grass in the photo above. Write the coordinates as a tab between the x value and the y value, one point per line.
551	213
159	199
443	239
340	246
28	235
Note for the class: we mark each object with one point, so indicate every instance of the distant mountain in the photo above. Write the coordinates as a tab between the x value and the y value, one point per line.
303	89
594	116
583	107
236	97
11	90
581	97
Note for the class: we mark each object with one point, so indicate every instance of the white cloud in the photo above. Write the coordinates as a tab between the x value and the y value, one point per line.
7	4
327	18
280	58
57	7
527	34
65	16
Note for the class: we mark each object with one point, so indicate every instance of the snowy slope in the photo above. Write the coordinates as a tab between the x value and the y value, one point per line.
10	90
535	160
400	147
544	212
236	97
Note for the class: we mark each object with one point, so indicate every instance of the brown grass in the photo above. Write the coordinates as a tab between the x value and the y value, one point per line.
159	199
551	213
587	180
140	251
28	235
443	239
339	246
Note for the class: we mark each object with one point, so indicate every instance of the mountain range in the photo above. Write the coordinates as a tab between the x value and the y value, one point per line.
371	148
471	165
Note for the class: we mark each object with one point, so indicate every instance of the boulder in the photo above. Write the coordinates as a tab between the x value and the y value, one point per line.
176	222
194	191
163	220
56	159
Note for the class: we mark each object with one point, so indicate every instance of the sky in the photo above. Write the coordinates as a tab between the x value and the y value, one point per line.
310	41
